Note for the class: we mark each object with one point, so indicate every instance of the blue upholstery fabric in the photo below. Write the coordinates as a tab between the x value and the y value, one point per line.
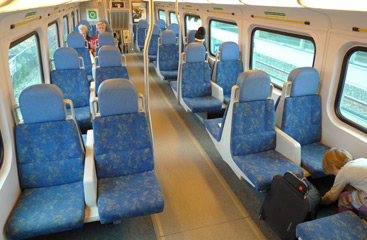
129	196
161	24
42	211
84	53
122	145
311	158
84	22
76	40
227	74
66	58
229	51
203	104
168	37
191	36
35	109
135	27
305	81
117	96
110	72
302	118
174	85
109	56
249	136
106	39
174	27
227	98
168	57
142	26
254	85
195	53
83	117
345	225
169	74
153	46
49	154
261	167
196	80
74	85
213	127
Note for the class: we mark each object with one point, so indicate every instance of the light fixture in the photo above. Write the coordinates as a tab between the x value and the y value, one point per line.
18	5
231	2
195	1
272	3
350	5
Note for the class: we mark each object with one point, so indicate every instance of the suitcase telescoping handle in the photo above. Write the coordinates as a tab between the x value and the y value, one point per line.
296	182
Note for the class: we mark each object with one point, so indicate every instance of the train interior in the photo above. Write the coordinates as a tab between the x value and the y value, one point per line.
173	134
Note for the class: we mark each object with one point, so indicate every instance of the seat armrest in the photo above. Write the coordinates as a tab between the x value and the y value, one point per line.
287	146
90	175
217	91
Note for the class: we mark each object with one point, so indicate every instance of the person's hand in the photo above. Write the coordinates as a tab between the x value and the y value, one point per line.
347	200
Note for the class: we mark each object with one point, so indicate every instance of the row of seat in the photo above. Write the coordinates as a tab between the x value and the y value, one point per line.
92	29
59	180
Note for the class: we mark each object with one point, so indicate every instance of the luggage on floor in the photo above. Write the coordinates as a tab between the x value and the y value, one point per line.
290	201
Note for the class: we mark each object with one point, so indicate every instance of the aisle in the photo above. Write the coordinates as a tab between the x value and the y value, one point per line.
199	204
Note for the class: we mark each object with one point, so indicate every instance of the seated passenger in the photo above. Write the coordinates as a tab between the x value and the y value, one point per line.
84	31
339	162
200	35
101	29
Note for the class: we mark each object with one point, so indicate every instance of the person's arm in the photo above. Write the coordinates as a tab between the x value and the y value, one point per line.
333	194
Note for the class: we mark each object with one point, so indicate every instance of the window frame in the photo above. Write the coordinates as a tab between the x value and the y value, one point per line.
72	16
289	34
169	16
341	84
1	150
209	35
161	10
57	28
185	20
67	25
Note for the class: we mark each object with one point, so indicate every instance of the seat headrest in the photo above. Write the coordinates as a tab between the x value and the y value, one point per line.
106	38
143	24
229	51
174	27
156	30
76	40
105	22
109	56
254	85
84	22
168	37
305	81
42	103
66	58
191	36
117	96
161	23
195	52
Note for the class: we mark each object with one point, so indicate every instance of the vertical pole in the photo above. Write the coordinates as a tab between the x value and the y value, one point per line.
180	54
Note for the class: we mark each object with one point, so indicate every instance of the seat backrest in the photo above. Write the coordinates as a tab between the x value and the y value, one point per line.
253	120
174	27
142	26
106	39
161	24
122	139
153	46
76	40
168	51
84	22
108	29
227	66
195	72
299	108
49	150
72	80
191	36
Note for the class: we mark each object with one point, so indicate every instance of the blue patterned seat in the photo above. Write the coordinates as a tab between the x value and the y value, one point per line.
168	56
84	22
110	65
227	68
191	36
127	186
174	28
141	33
72	80
246	136
161	24
104	39
153	46
76	40
299	116
345	225
195	84
50	158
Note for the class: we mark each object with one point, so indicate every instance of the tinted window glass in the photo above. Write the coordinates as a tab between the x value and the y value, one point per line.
53	39
65	25
162	15
172	17
221	32
192	23
278	54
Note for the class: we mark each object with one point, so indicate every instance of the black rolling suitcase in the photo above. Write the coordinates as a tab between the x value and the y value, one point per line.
289	201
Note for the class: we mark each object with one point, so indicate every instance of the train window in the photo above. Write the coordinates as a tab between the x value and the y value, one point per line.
162	15
1	150
53	38
73	19
351	98
278	53
77	15
172	17
25	63
192	22
65	25
220	32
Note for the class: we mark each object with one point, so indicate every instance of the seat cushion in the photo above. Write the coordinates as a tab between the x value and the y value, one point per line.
261	167
345	225
90	78
226	98
311	158
83	117
203	104
174	86
212	125
129	196
152	57
47	210
169	74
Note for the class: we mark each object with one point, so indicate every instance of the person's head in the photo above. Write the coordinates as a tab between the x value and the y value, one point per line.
83	29
101	27
335	159
115	35
200	34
